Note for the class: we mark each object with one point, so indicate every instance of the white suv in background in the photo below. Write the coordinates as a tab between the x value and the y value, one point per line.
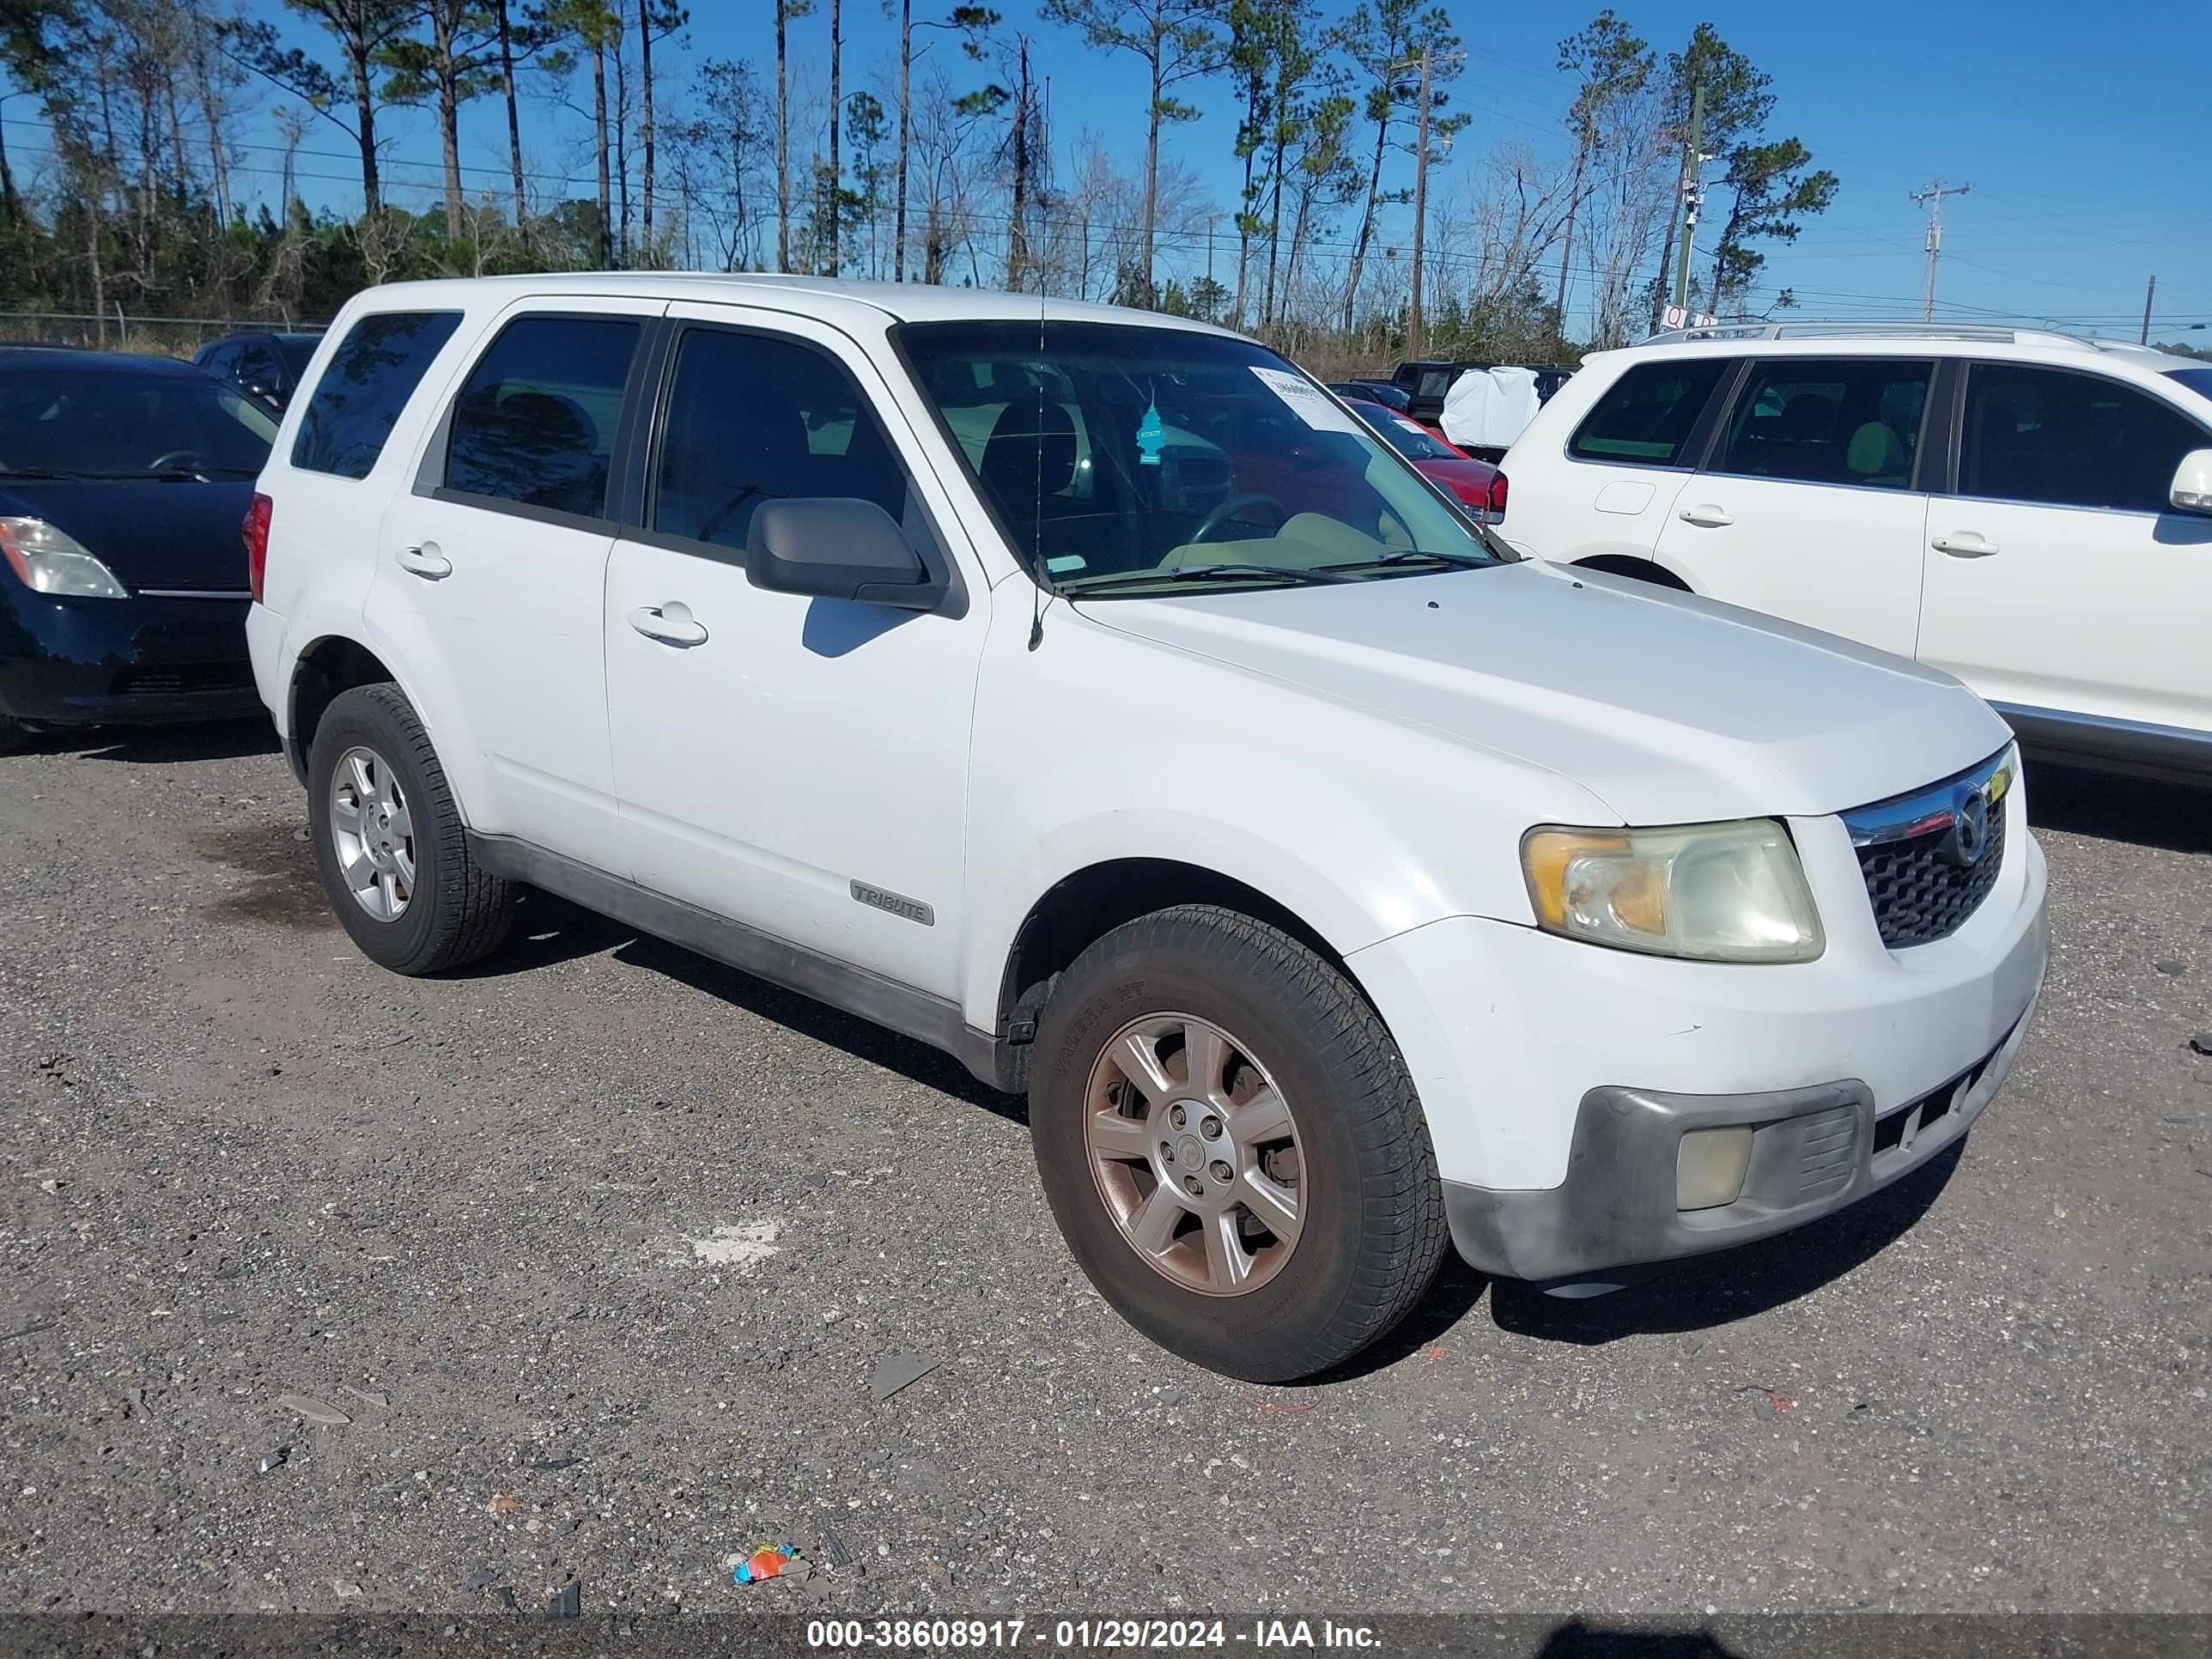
1088	694
2030	511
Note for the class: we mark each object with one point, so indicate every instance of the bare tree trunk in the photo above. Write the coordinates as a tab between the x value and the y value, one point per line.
364	100
513	116
1275	222
606	188
449	114
623	249
1151	173
782	143
906	75
1018	236
836	168
1366	220
211	108
10	203
1567	244
645	74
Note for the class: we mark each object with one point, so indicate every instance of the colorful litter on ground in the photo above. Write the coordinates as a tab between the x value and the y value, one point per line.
766	1562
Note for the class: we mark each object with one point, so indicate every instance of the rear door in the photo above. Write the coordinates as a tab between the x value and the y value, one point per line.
2058	576
493	568
1626	462
1810	506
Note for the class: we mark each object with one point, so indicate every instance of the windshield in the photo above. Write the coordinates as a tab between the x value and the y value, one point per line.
2197	379
1401	434
1120	459
113	423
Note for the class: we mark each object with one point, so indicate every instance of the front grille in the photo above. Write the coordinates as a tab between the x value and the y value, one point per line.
183	680
1919	894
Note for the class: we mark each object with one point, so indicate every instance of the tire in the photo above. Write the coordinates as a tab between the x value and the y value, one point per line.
453	913
14	739
1369	1220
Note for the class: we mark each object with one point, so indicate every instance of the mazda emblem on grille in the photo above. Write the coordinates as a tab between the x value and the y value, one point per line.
1970	829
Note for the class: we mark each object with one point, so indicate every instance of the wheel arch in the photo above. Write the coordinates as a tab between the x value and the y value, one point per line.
1638	569
1087	903
1641	568
334	663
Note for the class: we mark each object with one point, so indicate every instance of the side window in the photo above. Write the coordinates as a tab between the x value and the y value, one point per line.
257	366
2068	439
751	418
222	361
535	422
1829	420
1645	416
365	386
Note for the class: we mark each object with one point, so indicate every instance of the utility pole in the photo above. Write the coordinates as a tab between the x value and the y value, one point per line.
1933	196
2150	294
1420	195
1693	196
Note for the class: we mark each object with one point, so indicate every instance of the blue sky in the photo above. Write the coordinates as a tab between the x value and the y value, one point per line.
2083	131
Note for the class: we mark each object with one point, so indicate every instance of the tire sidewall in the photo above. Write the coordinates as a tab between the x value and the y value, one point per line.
355	721
1260	1332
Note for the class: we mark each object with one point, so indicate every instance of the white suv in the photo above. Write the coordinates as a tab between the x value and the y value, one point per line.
1088	694
2030	511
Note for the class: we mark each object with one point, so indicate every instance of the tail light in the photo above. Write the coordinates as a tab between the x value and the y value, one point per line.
254	531
1496	504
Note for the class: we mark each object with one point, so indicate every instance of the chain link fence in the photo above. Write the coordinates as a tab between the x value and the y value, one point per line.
118	331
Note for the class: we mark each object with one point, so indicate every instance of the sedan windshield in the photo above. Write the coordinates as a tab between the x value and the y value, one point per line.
1122	459
119	423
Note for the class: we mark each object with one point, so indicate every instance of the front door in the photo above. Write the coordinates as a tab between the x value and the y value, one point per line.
798	765
492	569
1808	509
2059	577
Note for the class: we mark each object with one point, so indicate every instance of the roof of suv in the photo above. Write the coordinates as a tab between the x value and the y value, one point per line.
1819	339
819	296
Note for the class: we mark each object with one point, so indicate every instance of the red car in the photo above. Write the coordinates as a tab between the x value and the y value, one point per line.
1479	486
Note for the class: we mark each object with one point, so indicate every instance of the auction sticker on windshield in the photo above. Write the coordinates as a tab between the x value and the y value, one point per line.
1305	400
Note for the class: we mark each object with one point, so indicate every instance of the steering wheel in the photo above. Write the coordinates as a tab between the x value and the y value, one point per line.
180	460
1230	509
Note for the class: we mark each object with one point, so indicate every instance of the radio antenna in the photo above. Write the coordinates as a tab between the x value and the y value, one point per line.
1039	567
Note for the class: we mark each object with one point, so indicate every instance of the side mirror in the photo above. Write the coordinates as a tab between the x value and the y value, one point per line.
2192	482
837	547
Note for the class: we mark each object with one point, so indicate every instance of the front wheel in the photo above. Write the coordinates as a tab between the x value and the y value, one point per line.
1232	1147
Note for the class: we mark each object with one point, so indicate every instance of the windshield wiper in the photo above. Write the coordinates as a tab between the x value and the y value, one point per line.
1456	560
1289	576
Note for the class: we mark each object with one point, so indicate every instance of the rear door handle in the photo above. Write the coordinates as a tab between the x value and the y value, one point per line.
426	562
1963	545
670	623
1707	516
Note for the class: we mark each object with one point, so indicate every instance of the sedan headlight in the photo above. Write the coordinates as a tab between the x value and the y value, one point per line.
1717	892
50	561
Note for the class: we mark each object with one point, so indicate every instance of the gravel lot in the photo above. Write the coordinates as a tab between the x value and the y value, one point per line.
600	1248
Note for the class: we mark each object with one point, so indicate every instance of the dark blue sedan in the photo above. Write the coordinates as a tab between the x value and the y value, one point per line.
123	576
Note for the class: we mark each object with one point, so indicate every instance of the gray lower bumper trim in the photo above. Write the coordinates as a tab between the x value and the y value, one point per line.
1814	1150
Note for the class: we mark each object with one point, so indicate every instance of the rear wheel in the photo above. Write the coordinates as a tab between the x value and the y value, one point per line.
389	841
12	736
1232	1147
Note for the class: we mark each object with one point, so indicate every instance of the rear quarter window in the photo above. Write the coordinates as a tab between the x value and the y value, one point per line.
364	388
1646	415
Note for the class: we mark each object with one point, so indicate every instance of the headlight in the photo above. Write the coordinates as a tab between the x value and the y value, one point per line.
1719	892
50	561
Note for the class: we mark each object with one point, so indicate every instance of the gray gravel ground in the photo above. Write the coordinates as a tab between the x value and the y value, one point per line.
600	1250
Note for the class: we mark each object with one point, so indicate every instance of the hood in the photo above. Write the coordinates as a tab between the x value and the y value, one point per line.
1672	709
150	534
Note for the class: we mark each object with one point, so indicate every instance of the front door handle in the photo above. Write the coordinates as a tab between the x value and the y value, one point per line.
1707	516
426	562
670	623
1965	545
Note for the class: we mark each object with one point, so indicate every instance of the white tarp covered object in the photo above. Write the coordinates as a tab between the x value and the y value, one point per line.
1488	408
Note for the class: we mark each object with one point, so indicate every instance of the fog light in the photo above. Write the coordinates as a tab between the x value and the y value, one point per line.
1709	1170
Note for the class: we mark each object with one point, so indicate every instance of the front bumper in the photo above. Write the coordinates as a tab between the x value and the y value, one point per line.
1813	1152
1557	1077
84	662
